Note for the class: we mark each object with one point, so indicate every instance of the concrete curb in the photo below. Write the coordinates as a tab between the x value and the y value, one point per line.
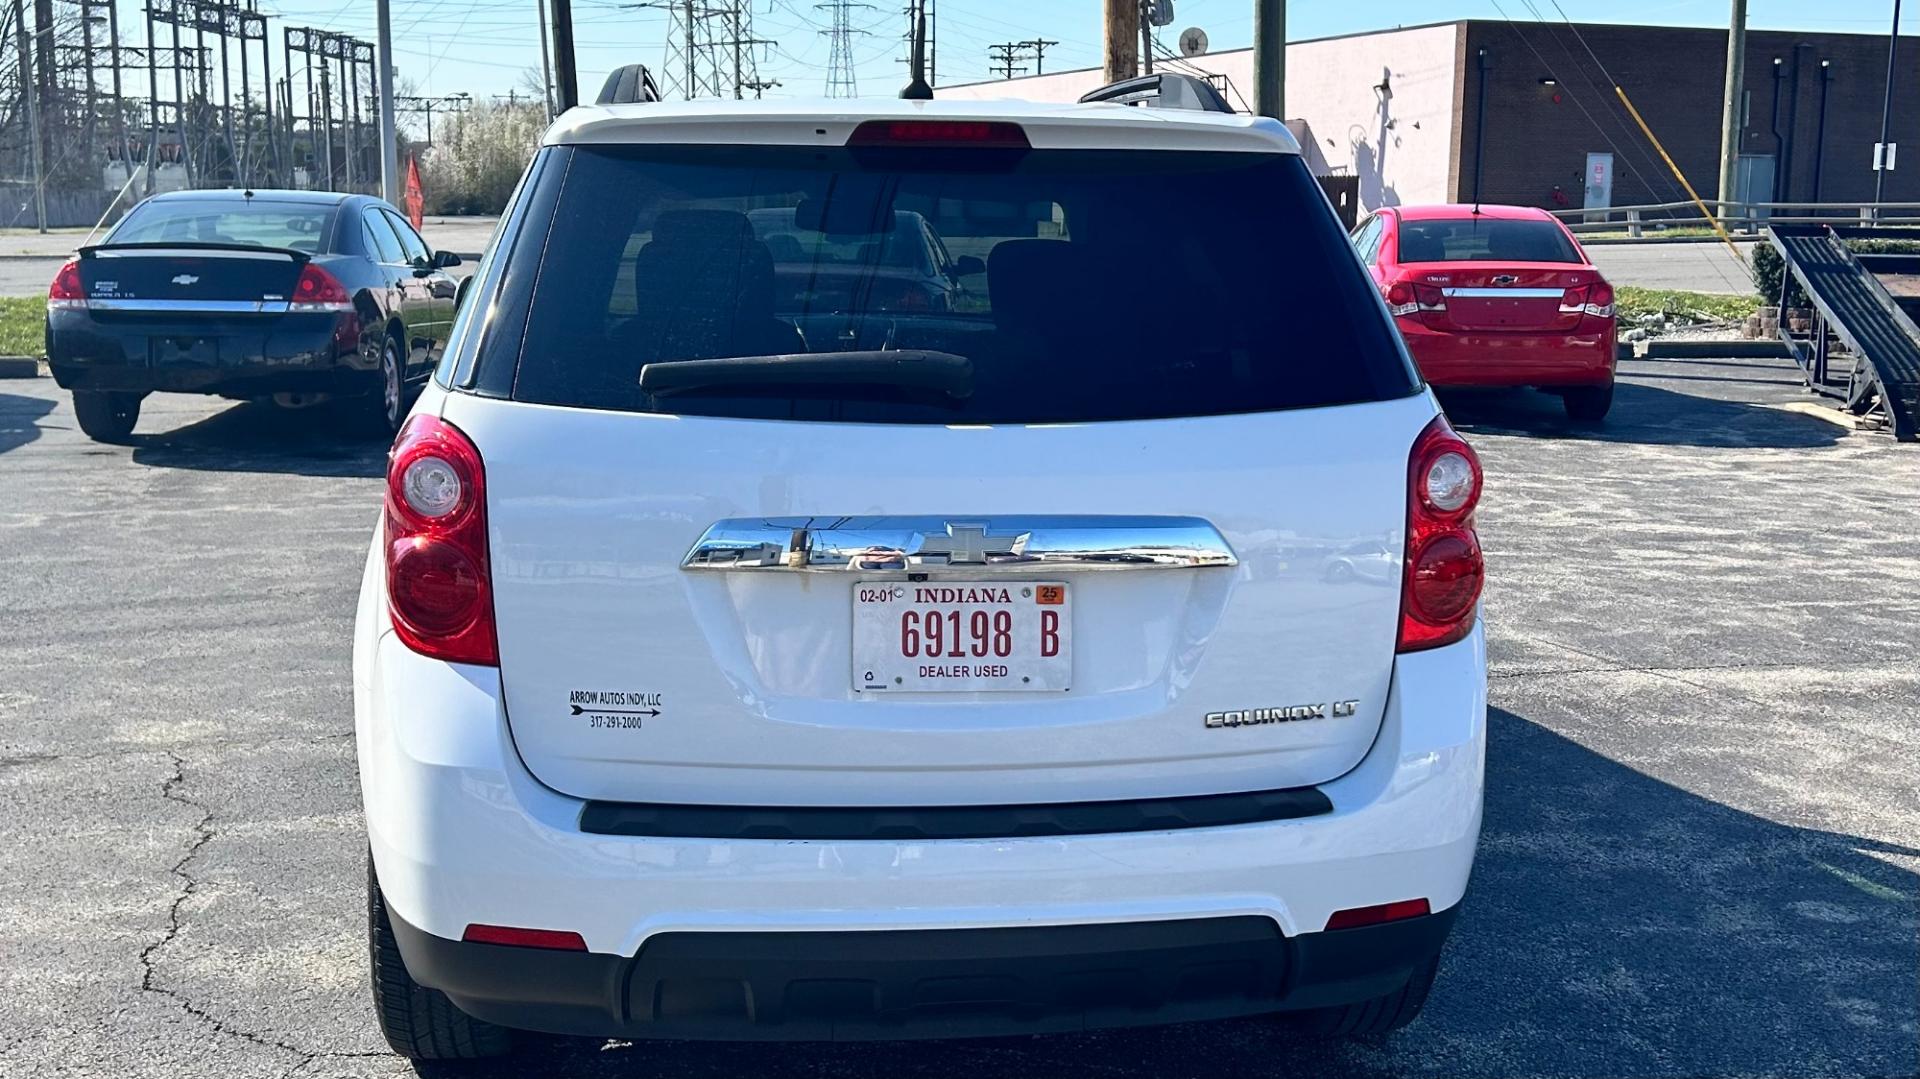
19	367
1734	349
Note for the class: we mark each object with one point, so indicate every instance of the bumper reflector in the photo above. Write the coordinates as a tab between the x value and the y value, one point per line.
551	939
1385	912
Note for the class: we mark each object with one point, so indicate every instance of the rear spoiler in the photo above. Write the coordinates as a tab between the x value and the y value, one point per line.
195	247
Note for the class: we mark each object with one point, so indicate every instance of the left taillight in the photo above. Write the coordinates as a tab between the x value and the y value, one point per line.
439	583
318	290
1444	570
67	293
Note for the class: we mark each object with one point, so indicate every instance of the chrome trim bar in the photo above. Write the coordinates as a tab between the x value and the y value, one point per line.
1041	543
1506	293
193	307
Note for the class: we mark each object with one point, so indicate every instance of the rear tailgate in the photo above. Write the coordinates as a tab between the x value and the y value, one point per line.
631	676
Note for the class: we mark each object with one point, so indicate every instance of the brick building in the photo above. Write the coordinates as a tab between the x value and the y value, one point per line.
1400	109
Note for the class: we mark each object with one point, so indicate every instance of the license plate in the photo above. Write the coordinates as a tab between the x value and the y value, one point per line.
968	636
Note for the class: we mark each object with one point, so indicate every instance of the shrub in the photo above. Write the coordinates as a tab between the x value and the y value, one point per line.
479	156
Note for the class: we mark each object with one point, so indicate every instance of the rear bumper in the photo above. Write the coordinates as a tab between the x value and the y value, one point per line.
237	357
924	983
461	833
1511	359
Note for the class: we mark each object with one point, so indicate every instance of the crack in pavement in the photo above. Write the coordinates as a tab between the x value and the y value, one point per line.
203	833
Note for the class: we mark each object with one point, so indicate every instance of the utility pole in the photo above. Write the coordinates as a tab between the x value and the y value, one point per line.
389	134
546	60
1003	56
1883	153
30	91
1270	58
567	78
1146	38
1039	47
1123	39
1731	120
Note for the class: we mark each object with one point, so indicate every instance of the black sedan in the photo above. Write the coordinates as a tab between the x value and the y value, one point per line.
292	295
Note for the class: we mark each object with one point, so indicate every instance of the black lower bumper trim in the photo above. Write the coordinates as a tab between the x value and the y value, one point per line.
952	822
927	983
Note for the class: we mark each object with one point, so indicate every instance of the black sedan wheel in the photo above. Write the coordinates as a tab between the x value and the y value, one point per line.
106	417
392	402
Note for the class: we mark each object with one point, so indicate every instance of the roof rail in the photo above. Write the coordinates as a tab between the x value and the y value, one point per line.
1162	90
628	85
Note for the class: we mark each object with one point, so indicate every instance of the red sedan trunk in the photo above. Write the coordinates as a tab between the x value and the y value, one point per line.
1495	296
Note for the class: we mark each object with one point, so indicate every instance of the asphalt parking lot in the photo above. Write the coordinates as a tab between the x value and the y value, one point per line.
1702	844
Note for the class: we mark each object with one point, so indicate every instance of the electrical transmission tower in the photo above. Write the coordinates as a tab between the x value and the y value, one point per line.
710	48
841	79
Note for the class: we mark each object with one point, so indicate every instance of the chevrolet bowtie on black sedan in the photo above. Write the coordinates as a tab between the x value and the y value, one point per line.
294	295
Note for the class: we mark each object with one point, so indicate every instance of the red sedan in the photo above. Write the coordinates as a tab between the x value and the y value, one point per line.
1495	296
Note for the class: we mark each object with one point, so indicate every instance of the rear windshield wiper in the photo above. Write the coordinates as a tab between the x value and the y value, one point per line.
908	368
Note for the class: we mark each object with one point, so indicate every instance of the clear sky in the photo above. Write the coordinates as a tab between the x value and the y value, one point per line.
483	46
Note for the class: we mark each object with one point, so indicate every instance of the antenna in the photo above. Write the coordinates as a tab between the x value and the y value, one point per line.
917	88
1193	41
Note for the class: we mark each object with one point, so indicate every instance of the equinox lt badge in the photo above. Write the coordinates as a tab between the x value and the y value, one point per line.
1253	716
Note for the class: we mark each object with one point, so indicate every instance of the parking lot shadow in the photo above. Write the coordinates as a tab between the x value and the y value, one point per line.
1642	413
18	416
1616	926
257	436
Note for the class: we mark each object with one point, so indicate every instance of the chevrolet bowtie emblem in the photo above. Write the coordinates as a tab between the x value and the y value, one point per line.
967	544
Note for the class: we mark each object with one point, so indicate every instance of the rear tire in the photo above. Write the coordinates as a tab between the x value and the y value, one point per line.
1370	1018
419	1023
1588	404
106	416
389	402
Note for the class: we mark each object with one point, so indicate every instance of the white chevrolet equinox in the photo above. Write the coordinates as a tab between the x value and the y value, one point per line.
896	569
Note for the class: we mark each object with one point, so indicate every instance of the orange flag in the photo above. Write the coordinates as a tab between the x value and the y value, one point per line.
416	198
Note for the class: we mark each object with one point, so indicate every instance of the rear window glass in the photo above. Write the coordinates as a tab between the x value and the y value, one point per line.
1484	239
1060	285
268	224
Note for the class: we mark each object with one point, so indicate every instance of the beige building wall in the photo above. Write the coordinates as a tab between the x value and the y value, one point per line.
1400	142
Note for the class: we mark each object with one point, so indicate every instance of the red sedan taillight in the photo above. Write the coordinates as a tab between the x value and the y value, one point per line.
439	585
1595	300
1444	567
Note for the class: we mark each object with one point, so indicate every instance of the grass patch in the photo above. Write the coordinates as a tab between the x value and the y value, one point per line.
23	326
1633	303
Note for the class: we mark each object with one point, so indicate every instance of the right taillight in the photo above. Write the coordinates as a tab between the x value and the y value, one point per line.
439	585
67	293
318	290
1595	300
1444	567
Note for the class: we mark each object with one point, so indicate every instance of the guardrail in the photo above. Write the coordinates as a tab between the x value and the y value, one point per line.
1736	217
